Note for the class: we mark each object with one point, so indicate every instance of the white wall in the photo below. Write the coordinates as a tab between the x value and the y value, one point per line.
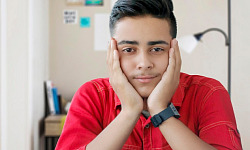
210	57
240	66
23	70
71	46
17	58
24	59
39	45
1	47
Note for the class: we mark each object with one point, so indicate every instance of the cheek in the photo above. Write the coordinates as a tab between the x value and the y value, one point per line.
126	66
163	64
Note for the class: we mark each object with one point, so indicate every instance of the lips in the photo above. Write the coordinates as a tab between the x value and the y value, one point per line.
145	79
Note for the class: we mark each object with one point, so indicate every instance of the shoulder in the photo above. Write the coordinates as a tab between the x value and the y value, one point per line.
93	90
91	93
98	85
202	89
198	81
206	93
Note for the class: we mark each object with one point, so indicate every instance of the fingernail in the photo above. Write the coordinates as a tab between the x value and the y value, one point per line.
112	44
115	53
174	42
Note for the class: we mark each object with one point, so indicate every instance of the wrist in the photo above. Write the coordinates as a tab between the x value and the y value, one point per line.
153	110
130	113
165	114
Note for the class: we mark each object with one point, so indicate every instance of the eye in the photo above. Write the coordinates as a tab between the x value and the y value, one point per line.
128	50
157	49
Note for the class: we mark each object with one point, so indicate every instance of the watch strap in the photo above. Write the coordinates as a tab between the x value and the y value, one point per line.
170	111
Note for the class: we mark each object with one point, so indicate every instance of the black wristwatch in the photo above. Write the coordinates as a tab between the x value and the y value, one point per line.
170	111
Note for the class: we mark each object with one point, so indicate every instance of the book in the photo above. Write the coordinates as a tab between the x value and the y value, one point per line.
49	96
56	100
64	103
60	103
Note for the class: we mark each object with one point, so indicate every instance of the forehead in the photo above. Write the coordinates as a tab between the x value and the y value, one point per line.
143	27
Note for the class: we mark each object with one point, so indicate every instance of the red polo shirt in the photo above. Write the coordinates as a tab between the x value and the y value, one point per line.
203	103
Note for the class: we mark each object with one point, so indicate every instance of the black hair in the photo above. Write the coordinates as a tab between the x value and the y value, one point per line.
162	9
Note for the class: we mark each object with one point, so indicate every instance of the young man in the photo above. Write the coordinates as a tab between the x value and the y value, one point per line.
135	108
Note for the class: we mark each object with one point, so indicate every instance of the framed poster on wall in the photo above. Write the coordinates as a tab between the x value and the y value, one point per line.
94	2
74	2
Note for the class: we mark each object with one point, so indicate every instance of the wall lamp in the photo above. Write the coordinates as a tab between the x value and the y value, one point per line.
188	43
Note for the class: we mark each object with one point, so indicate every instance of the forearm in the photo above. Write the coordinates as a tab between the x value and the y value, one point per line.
181	137
115	135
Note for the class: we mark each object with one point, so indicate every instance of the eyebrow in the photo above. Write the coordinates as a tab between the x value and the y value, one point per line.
157	42
128	42
137	43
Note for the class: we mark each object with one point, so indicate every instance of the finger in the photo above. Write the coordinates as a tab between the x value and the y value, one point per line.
116	63
111	53
171	67
108	52
109	58
113	48
114	45
178	58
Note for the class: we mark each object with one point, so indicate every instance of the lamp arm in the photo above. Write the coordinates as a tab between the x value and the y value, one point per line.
198	36
219	30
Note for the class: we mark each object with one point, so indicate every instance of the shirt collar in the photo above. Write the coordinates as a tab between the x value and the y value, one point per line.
117	101
177	99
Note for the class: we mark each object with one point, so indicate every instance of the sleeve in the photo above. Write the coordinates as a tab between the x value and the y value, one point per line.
84	119
217	125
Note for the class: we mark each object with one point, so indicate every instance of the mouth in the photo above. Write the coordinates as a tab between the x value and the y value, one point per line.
145	79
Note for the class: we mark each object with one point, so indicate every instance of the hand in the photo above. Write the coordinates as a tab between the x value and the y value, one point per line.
131	101
161	96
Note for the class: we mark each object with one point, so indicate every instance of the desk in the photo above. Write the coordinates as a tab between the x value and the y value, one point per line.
53	129
50	142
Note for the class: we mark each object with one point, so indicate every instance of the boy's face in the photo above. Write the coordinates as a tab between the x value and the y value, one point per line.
143	44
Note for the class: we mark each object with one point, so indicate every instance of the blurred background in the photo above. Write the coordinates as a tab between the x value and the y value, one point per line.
65	41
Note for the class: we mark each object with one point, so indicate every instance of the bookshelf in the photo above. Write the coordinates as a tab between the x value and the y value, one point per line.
53	128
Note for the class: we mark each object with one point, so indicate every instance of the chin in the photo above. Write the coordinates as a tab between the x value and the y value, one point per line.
144	92
144	95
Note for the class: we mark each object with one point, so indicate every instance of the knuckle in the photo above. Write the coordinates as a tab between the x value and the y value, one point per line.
115	67
179	62
173	64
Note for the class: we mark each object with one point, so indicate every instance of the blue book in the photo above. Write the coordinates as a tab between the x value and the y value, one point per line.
49	96
56	100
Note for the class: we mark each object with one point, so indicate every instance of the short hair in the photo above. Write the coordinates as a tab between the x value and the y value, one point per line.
162	9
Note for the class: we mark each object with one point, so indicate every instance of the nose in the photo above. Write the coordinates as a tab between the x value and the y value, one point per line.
144	61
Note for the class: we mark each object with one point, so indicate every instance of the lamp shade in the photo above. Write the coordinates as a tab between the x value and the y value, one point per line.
187	43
